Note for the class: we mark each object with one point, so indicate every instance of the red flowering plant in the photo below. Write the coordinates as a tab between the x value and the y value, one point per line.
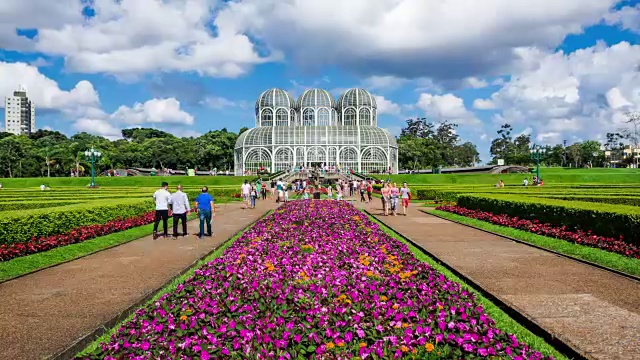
586	238
80	234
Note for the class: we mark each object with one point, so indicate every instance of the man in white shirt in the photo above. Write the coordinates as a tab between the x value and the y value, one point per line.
180	205
161	197
246	192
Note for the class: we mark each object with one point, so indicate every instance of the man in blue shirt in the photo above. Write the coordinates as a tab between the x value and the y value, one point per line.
205	208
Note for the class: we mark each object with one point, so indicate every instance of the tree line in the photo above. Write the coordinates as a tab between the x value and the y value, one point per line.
51	153
515	150
421	145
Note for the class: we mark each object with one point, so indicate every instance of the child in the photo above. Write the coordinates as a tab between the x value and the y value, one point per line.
329	193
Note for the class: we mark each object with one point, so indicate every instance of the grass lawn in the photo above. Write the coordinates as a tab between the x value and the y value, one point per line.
26	264
600	257
503	321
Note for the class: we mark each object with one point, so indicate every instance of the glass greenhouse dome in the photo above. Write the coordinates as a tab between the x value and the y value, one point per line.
316	130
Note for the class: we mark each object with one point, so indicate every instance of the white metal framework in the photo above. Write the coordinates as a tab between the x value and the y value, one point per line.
315	131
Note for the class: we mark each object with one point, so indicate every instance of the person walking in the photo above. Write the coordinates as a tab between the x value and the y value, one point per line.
369	191
286	193
386	198
363	189
405	194
339	192
395	194
180	207
263	192
254	195
329	192
161	198
206	209
246	190
258	188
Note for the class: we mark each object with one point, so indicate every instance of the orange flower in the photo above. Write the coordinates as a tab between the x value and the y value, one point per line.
330	345
429	347
383	298
183	317
405	325
440	307
395	306
404	349
363	344
340	344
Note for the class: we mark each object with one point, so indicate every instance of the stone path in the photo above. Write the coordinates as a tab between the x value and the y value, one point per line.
46	312
595	311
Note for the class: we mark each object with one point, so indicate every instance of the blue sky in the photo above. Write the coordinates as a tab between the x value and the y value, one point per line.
555	70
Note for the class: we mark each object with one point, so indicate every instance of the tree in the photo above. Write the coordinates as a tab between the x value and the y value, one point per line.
574	153
466	154
502	146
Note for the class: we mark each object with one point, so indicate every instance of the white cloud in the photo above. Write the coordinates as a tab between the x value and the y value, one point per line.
133	37
98	126
475	83
446	107
387	82
43	91
152	112
386	106
219	102
627	17
583	94
411	38
483	104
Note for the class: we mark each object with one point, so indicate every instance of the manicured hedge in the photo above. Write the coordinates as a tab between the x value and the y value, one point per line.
20	226
617	200
609	220
26	205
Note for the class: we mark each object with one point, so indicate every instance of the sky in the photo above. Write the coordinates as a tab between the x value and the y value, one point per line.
557	70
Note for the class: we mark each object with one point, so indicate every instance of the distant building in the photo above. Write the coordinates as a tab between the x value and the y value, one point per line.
19	113
628	156
314	131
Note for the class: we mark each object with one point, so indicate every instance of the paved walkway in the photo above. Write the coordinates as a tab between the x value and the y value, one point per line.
595	311
46	312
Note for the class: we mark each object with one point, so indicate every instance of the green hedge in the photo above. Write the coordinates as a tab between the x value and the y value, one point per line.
616	200
609	220
21	226
26	205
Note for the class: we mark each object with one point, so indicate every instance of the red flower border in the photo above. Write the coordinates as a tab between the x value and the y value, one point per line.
80	234
579	237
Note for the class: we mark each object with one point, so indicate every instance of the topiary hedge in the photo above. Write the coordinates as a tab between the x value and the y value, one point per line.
22	225
601	219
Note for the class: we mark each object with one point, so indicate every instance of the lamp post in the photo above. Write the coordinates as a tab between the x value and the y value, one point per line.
537	152
92	156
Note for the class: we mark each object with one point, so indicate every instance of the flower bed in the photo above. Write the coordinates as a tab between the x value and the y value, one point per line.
578	237
80	234
315	278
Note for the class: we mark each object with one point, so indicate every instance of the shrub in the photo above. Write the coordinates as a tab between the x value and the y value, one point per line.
22	226
610	220
83	233
577	237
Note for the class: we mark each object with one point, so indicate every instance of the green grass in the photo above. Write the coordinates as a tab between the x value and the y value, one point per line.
95	345
503	321
598	256
137	181
550	175
26	264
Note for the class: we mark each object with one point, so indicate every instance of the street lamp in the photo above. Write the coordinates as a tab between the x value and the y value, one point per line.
92	156
537	152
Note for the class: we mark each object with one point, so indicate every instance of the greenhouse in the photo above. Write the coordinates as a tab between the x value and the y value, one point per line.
316	131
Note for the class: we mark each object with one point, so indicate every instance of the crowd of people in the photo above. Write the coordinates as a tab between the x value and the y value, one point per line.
392	196
204	206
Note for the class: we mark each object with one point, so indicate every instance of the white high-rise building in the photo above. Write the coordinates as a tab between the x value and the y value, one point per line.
19	113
